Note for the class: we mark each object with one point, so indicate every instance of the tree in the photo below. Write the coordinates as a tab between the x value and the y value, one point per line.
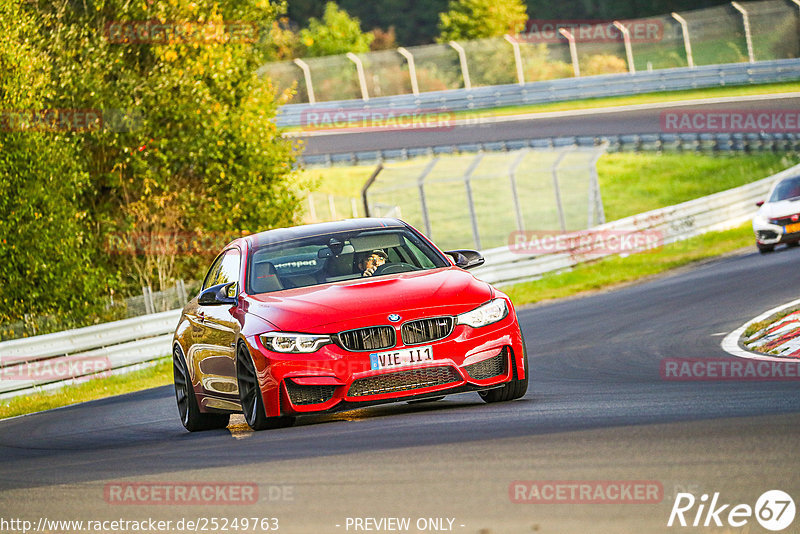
336	33
199	154
478	19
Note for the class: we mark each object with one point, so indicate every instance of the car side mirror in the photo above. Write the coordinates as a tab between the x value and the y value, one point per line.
465	258
760	203
218	295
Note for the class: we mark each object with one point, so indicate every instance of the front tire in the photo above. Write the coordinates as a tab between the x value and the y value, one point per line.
191	416
514	389
250	395
764	249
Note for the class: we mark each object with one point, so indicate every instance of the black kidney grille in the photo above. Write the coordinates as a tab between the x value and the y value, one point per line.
370	338
301	395
404	381
494	366
426	330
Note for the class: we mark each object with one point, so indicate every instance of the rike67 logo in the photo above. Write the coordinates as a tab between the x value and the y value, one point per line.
774	510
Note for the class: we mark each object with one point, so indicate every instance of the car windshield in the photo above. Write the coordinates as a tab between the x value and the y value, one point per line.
787	189
334	257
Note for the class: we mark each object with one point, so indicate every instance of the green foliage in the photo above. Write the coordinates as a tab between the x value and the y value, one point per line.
336	33
477	19
199	154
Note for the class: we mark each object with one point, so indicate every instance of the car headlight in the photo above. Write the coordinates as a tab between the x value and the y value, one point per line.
486	314
291	342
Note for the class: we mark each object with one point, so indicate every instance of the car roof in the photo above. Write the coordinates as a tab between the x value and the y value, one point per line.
309	230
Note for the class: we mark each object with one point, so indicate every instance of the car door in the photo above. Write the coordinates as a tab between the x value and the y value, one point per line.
216	352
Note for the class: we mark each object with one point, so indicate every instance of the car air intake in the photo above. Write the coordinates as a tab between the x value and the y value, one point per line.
488	368
301	395
370	338
426	330
404	381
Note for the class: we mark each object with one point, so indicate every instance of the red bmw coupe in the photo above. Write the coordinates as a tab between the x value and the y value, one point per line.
337	316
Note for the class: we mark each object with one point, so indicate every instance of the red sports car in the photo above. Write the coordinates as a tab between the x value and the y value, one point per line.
337	316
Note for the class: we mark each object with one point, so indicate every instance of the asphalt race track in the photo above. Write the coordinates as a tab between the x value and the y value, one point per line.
586	123
598	409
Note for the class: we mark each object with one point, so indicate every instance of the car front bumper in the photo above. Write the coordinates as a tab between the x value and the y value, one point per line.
333	379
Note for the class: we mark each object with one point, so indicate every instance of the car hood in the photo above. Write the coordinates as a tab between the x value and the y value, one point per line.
781	208
355	303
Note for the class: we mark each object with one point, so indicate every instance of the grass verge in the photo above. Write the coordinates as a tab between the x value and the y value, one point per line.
158	375
616	270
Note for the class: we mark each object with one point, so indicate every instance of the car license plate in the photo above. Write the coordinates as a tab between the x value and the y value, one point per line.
400	358
791	228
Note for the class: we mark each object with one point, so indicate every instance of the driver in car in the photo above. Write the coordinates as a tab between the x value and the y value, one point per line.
370	263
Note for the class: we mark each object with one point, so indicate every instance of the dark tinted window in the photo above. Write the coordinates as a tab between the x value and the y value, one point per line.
787	188
339	256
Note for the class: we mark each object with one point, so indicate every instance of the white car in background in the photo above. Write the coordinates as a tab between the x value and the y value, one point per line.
778	218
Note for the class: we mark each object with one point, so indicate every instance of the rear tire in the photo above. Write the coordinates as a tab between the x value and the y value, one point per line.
250	395
793	244
764	249
514	389
191	416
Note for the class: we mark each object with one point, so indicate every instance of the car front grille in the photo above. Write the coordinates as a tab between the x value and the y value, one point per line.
301	395
404	381
426	330
370	338
491	367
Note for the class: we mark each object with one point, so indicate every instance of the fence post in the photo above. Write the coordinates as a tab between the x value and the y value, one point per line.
366	187
573	51
462	56
423	201
181	288
747	36
687	43
412	69
512	174
473	217
312	212
307	75
147	294
332	207
518	57
557	190
626	37
362	80
596	212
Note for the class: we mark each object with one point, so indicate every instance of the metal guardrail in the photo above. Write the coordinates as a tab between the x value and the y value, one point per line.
606	85
71	355
715	212
687	142
122	344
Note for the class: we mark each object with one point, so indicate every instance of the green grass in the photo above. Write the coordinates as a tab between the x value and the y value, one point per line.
635	183
158	375
616	270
